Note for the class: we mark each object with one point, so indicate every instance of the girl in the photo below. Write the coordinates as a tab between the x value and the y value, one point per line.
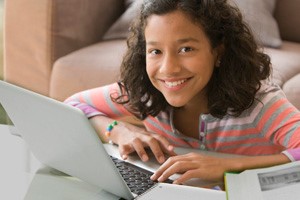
196	78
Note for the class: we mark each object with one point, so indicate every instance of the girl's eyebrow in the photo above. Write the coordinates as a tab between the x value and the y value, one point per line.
189	39
179	41
152	43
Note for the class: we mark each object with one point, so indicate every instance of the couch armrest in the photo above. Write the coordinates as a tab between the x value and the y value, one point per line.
38	32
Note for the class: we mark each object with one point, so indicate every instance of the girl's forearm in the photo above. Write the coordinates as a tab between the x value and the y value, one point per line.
243	163
125	125
100	124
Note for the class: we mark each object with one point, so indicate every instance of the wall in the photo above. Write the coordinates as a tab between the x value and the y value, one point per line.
3	119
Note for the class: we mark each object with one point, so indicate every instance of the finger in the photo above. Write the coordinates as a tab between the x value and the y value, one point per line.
178	167
187	176
124	150
139	148
165	145
163	168
173	169
156	149
184	164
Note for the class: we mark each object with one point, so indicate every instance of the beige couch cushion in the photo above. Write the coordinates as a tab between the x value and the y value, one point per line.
291	89
285	61
259	15
286	69
89	67
119	30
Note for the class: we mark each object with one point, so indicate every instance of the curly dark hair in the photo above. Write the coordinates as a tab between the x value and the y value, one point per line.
233	85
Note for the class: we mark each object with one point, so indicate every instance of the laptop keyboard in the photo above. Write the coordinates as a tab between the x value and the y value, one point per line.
137	179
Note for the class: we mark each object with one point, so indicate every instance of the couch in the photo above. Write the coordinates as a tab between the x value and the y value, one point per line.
57	47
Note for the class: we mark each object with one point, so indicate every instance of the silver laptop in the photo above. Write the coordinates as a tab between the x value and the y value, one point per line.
60	136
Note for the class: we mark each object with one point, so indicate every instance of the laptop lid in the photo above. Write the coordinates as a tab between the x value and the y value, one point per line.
61	137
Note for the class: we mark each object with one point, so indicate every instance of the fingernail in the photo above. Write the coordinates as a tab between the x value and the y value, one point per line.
144	158
153	177
161	159
160	179
124	157
170	148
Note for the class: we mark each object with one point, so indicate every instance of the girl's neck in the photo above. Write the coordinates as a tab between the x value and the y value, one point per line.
198	105
186	119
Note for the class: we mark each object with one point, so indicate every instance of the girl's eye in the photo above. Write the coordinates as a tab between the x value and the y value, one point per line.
154	51
186	49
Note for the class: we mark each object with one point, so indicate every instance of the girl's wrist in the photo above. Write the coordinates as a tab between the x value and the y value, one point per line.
252	162
108	131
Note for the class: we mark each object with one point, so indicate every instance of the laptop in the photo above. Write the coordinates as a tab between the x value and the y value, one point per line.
60	136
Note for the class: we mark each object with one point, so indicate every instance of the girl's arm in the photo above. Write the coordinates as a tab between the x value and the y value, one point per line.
98	106
131	138
99	101
195	165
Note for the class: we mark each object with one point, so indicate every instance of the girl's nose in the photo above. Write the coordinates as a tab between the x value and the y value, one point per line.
169	64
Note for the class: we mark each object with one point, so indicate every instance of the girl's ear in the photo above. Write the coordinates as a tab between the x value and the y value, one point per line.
219	54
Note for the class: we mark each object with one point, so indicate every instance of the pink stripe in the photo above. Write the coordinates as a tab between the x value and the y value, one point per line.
231	133
156	121
252	150
114	90
160	132
267	115
274	126
194	144
242	120
238	142
97	97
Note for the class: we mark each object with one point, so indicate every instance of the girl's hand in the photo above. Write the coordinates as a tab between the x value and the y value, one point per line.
192	165
209	168
134	139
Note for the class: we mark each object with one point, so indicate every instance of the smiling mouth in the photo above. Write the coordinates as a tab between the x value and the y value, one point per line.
175	83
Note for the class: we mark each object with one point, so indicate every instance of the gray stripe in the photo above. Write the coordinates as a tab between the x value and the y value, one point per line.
109	102
163	119
272	137
249	124
234	138
247	113
159	127
275	114
244	145
230	127
289	134
175	134
87	98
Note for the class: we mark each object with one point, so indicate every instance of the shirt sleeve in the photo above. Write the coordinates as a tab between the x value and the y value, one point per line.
280	122
98	101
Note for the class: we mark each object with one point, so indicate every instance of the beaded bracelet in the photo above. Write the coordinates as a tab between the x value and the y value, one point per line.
108	130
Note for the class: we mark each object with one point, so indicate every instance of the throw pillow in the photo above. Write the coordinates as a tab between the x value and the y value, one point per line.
120	28
259	16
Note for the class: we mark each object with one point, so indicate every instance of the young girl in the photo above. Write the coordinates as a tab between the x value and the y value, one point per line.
196	78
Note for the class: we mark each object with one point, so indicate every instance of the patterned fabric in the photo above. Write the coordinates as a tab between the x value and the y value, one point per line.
270	126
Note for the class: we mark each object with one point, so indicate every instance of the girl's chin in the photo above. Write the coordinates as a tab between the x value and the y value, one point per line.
176	103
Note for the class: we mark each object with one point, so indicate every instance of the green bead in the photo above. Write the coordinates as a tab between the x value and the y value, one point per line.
110	127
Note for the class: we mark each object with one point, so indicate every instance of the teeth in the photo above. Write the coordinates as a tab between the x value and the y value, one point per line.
175	83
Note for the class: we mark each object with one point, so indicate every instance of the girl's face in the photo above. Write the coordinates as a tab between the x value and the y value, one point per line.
179	58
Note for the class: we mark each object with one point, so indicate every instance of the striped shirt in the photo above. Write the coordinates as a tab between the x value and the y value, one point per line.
270	126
